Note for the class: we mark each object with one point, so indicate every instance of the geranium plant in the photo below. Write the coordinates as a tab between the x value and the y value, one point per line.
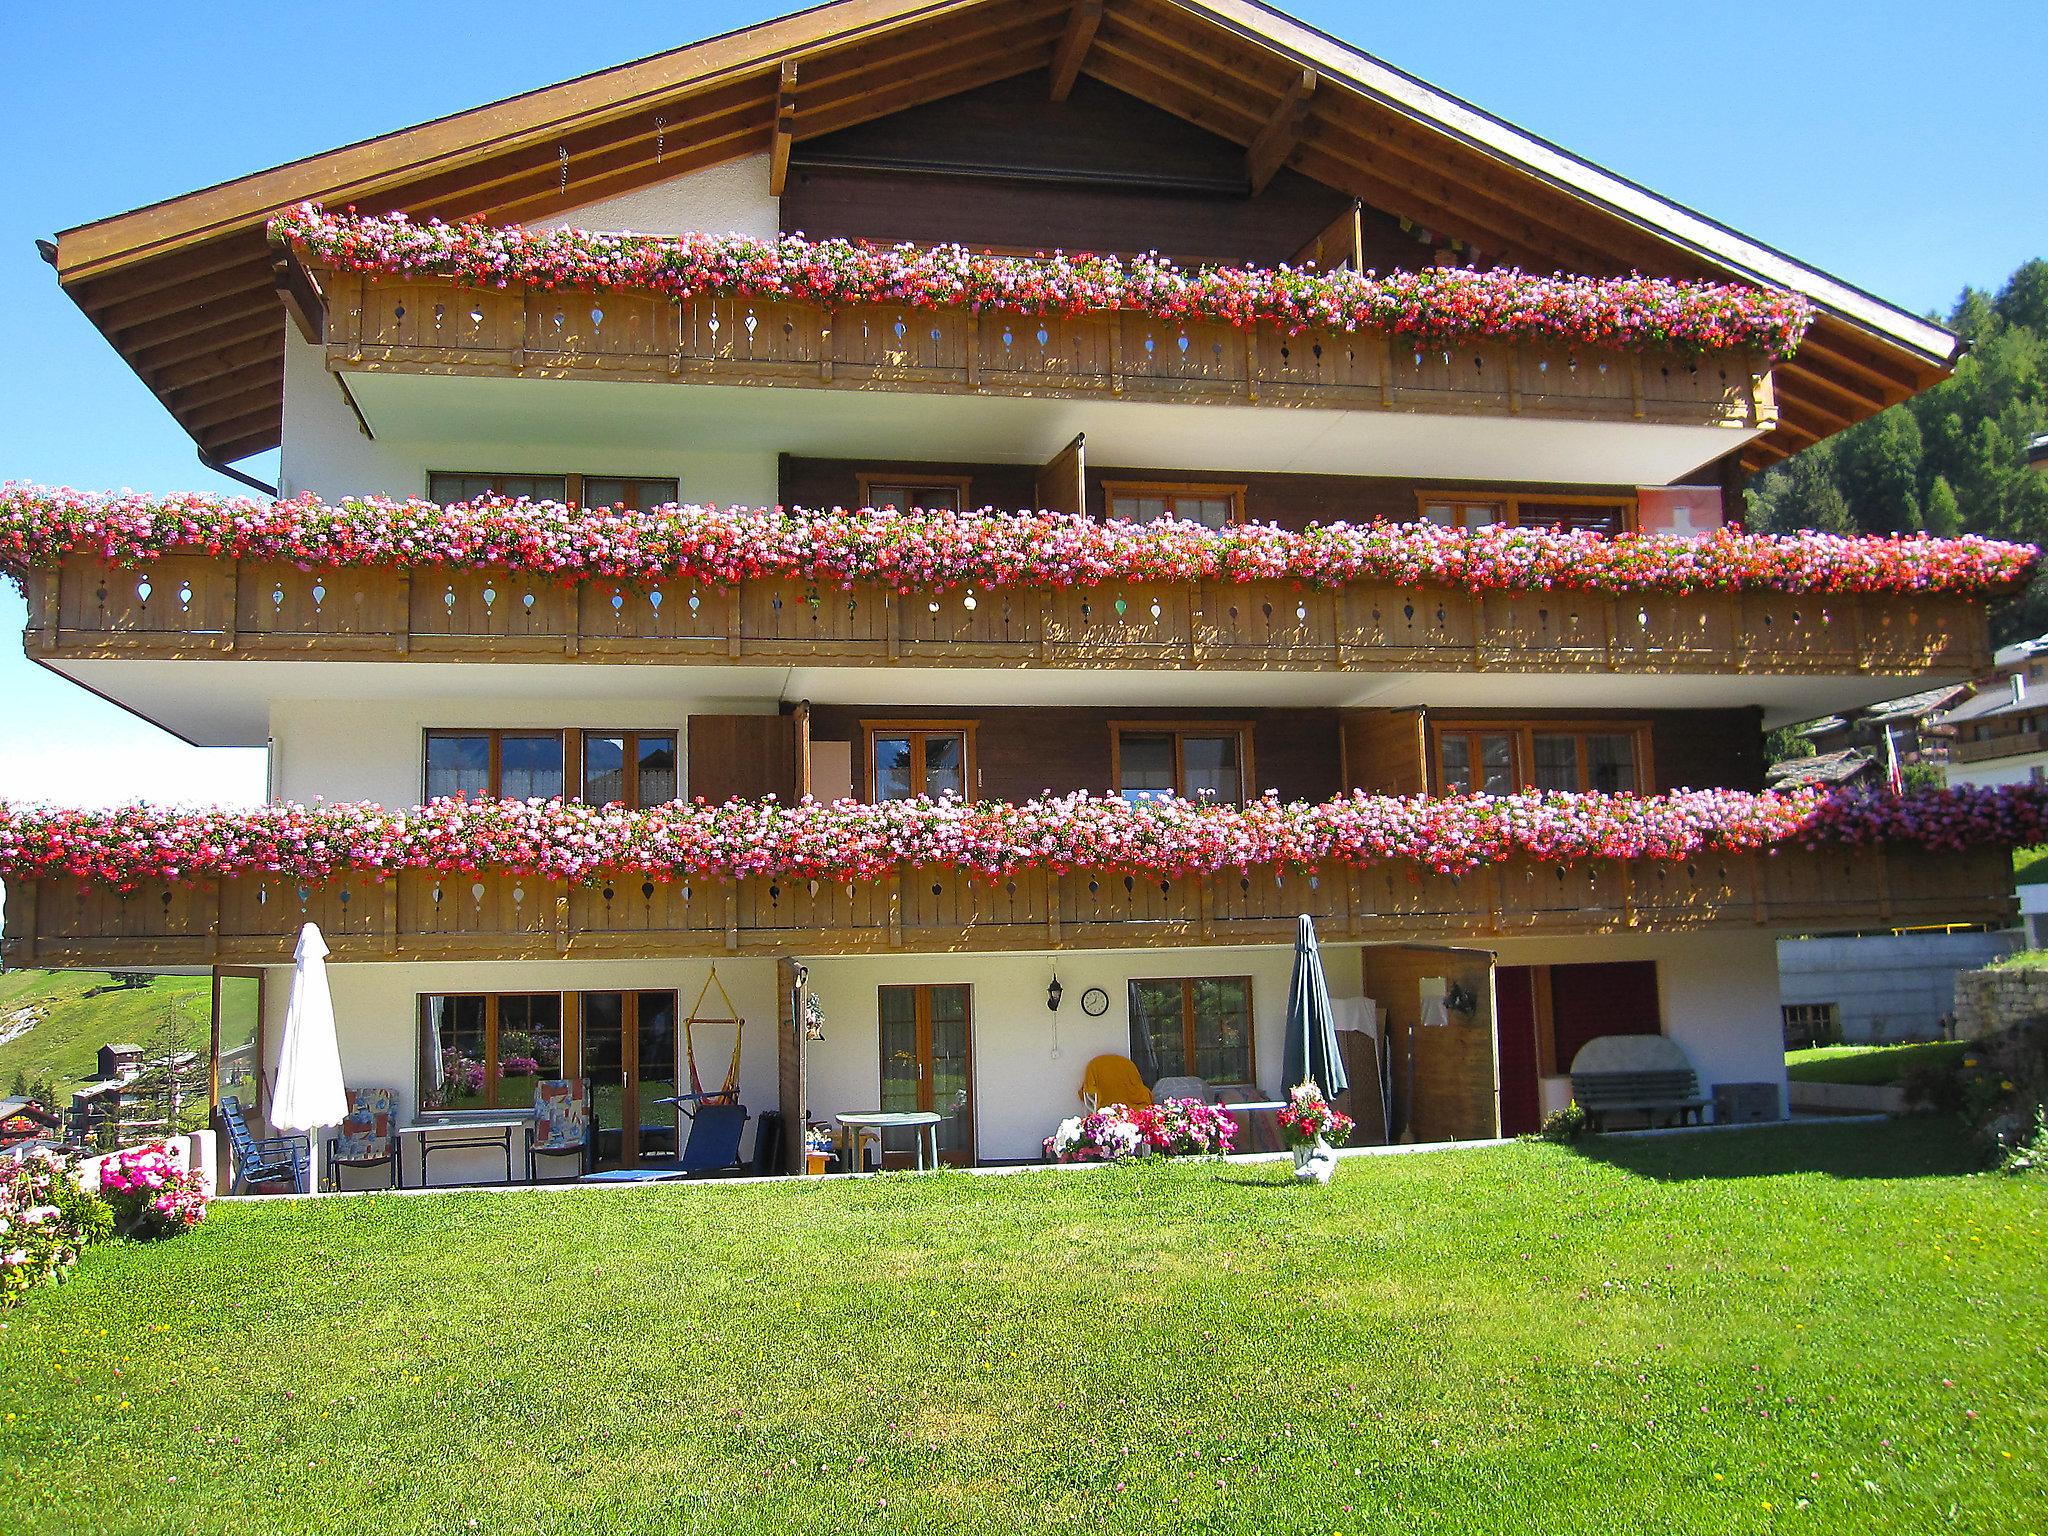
1175	1128
972	551
46	1220
851	841
152	1195
1308	1119
1435	304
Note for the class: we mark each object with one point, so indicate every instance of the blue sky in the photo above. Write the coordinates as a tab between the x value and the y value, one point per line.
1888	142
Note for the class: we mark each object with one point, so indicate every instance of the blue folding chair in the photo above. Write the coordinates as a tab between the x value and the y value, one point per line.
264	1159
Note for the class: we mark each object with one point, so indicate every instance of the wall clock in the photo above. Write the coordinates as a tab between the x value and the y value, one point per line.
1095	1002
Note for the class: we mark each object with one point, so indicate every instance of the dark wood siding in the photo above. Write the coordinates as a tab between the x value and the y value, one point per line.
1020	753
1003	166
1689	748
1385	751
743	756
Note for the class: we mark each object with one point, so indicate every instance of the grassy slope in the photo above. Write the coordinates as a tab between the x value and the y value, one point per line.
1869	1064
2030	865
64	1046
1674	1335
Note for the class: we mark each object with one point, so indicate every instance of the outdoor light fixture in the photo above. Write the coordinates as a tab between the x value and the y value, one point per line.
1053	994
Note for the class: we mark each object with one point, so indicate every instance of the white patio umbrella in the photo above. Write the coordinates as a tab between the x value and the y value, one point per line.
309	1092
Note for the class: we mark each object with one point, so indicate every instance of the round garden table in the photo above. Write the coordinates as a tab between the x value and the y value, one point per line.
925	1122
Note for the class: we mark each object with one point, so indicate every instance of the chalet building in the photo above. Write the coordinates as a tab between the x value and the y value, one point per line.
1208	132
2000	734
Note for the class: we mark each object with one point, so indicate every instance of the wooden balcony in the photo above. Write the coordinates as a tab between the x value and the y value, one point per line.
186	607
2012	744
419	916
437	326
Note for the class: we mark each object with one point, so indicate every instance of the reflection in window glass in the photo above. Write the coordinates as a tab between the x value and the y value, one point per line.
1145	766
945	765
455	1054
1210	766
892	779
458	765
657	769
472	487
530	766
604	769
636	495
909	497
1477	762
1159	1040
1221	1024
1611	762
1557	761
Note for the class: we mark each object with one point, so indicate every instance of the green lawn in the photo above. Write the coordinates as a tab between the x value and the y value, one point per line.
62	1045
1804	1329
1868	1065
2030	865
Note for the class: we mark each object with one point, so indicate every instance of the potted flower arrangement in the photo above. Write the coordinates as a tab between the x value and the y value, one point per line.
151	1194
1312	1126
1176	1128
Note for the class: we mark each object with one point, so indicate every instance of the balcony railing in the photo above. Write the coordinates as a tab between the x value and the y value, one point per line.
435	325
194	606
2014	744
253	920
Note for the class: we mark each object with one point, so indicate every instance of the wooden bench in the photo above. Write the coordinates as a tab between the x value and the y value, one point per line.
1647	1075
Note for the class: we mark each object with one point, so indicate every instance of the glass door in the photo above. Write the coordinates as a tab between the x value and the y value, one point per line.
629	1055
928	1063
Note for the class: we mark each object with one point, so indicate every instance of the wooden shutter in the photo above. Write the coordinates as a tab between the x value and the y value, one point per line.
1385	751
1062	484
744	756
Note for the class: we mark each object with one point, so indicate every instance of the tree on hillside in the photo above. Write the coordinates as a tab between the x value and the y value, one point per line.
1951	460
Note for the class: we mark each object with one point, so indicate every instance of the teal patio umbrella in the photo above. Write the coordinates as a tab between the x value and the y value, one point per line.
1311	1023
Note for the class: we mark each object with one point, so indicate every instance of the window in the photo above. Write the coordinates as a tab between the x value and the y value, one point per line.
1196	761
1195	1026
486	1051
1810	1024
634	492
633	768
906	758
1213	506
1597	514
1498	758
930	493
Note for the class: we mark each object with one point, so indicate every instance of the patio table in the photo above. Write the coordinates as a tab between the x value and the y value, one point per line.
493	1132
924	1122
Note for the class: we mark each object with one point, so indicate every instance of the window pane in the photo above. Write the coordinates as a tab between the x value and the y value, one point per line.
945	765
536	487
1158	1039
453	1054
908	497
657	769
1223	1029
1456	752
1210	763
447	488
1557	761
1442	513
604	769
1209	511
1480	514
1144	766
1496	764
604	1063
1142	509
458	765
529	1045
636	495
892	769
1572	515
530	767
1611	762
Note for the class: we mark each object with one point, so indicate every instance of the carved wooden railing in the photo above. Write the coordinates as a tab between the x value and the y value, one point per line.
193	606
254	919
439	326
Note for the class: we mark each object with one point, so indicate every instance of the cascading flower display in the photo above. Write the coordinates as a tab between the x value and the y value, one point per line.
1436	304
152	1193
938	551
1174	1128
855	841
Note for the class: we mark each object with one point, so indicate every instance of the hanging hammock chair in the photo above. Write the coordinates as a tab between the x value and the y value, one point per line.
729	1091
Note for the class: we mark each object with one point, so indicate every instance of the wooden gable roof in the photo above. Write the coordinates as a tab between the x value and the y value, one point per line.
188	292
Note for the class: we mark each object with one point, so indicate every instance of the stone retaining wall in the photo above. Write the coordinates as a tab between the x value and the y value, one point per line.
1992	1000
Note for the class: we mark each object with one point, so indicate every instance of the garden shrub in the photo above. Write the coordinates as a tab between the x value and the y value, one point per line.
46	1221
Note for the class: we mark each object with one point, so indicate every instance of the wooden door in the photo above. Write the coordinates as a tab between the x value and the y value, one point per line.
629	1054
928	1062
1441	1037
1521	1095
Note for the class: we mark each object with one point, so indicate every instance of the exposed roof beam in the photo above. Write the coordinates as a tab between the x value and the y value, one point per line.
1082	21
301	298
784	132
1277	140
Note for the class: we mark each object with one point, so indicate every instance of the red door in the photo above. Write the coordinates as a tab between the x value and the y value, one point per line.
1610	998
1514	1001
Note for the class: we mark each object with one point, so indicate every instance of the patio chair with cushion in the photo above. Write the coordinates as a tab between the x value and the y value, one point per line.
263	1162
562	1125
1182	1088
1113	1079
368	1135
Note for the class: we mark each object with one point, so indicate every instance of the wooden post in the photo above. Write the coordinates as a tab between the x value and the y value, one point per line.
784	133
213	1046
231	627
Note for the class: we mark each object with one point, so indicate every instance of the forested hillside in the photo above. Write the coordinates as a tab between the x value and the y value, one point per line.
1953	460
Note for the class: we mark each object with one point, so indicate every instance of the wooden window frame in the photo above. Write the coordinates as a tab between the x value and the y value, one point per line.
1171	490
572	484
572	1044
1187	985
1512	502
573	739
917	730
1179	729
1521	734
961	485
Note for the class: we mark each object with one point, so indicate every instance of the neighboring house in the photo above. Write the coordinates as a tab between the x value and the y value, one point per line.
117	1061
24	1120
1827	769
2001	734
1880	987
1213	133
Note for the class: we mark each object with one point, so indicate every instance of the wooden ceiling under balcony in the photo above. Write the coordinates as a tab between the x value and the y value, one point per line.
189	293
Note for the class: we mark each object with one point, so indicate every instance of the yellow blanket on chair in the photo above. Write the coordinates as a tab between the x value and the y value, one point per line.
1114	1080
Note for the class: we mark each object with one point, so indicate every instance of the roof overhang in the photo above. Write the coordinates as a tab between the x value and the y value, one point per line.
187	290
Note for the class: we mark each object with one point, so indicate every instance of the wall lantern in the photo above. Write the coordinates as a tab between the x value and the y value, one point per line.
1053	994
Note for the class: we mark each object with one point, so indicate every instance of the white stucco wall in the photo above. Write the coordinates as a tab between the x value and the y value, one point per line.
2001	770
729	199
334	749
